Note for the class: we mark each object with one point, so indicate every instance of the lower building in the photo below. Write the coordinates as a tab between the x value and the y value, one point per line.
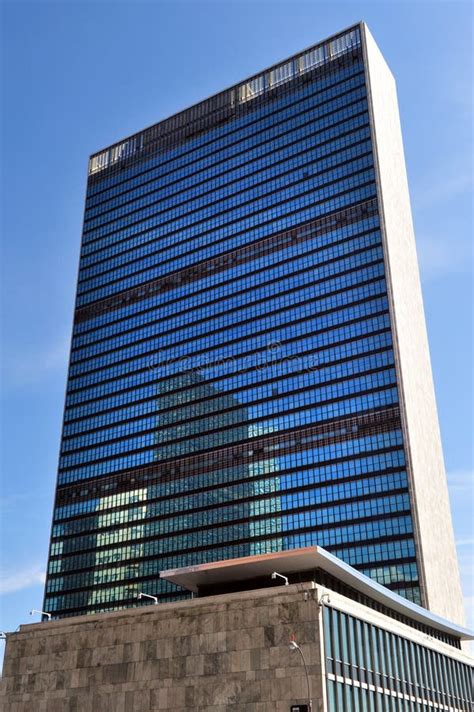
289	631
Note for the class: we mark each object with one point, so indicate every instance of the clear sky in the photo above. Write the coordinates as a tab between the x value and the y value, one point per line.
78	76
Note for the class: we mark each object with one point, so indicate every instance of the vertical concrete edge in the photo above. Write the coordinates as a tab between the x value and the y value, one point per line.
434	537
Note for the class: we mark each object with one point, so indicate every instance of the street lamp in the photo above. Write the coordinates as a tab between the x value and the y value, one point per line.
42	613
294	646
275	575
147	595
322	601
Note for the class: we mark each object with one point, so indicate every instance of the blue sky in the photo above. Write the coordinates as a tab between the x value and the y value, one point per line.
78	76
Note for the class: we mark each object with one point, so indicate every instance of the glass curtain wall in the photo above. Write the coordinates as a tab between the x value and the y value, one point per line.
232	386
369	669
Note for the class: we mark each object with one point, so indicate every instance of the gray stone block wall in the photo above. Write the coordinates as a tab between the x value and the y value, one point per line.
222	653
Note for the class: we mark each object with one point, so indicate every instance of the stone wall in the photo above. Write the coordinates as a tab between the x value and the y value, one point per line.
228	652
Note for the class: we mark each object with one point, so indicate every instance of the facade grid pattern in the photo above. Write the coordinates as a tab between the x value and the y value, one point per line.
375	670
232	387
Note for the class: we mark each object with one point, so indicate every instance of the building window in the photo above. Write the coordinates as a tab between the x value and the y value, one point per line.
369	669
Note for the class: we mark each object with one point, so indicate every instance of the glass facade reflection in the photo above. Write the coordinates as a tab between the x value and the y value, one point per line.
232	387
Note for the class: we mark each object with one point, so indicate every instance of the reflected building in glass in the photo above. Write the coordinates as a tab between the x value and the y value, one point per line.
249	366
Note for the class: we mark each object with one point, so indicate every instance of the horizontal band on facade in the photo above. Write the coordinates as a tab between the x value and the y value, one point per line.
322	225
207	114
178	439
371	247
315	144
219	410
353	162
264	446
154	578
353	188
168	168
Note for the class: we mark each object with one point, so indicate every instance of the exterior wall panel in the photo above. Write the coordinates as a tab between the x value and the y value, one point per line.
434	531
208	655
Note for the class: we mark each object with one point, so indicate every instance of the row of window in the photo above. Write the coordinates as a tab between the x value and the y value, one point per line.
126	245
352	129
214	380
204	399
298	155
139	259
147	548
303	127
162	366
186	446
282	452
236	233
303	302
226	377
272	498
142	567
145	399
271	294
134	245
208	349
272	282
371	553
276	224
232	274
213	481
411	592
387	575
245	415
380	465
276	486
335	310
172	193
370	658
150	567
290	184
197	184
177	424
191	419
385	551
194	531
194	368
215	138
177	129
172	136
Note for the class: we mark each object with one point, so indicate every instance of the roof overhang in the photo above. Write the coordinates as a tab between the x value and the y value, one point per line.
193	578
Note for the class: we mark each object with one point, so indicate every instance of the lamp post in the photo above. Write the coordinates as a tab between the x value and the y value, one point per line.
42	613
147	595
294	646
275	575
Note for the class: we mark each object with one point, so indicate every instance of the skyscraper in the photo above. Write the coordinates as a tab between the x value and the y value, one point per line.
249	366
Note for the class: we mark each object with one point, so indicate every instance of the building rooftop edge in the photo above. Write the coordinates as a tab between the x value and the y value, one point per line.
190	577
235	85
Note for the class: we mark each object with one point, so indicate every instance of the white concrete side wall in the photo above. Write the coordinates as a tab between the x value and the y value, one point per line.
441	587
